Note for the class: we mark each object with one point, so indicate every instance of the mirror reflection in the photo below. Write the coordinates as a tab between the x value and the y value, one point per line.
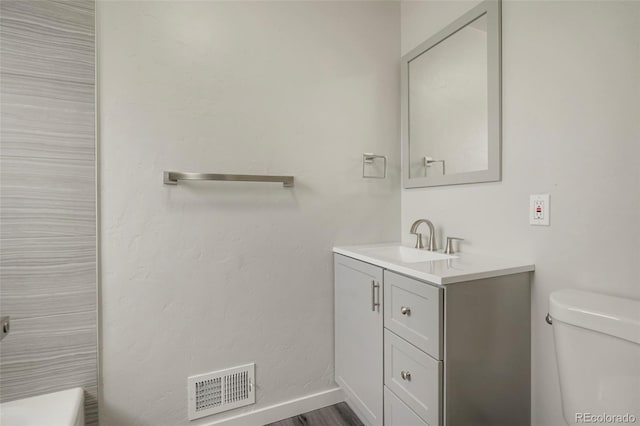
448	108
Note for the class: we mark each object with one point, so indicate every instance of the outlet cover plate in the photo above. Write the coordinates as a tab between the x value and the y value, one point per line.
539	209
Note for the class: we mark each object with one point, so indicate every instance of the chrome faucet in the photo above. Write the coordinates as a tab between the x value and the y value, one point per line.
431	245
449	248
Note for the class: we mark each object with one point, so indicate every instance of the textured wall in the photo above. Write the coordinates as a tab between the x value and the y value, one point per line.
571	102
48	199
205	276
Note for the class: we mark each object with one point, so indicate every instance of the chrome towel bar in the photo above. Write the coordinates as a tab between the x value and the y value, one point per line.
172	178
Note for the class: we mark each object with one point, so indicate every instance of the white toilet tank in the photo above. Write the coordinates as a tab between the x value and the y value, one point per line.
597	339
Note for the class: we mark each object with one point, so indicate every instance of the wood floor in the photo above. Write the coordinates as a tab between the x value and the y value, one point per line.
334	415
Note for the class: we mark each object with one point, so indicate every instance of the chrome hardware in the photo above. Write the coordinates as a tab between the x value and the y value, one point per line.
431	244
449	248
172	178
419	244
428	161
369	158
405	375
548	319
5	326
405	311
375	288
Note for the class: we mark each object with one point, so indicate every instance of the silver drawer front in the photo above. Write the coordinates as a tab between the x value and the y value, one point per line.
413	310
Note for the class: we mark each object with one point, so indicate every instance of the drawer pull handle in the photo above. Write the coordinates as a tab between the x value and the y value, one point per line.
405	311
405	375
375	288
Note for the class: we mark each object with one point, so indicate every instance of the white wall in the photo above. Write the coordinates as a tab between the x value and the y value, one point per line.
205	276
571	108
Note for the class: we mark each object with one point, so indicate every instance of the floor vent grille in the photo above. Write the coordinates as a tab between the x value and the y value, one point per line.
221	390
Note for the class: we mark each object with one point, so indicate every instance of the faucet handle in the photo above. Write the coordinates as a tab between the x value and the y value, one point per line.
449	248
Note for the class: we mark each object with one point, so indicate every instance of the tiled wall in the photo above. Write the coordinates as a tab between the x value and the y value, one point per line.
48	198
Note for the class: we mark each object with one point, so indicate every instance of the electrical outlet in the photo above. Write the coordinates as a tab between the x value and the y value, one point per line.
539	209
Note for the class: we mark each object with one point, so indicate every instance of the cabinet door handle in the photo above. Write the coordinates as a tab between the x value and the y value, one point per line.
404	310
405	375
374	287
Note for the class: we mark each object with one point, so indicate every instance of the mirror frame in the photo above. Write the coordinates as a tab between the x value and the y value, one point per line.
492	9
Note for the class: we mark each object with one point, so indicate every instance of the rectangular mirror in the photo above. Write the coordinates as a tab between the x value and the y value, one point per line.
451	114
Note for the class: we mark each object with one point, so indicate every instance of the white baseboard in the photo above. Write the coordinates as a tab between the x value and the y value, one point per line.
283	410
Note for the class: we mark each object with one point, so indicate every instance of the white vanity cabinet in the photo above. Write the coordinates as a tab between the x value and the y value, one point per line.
358	336
414	352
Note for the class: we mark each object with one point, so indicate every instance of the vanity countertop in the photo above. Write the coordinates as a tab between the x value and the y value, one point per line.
460	267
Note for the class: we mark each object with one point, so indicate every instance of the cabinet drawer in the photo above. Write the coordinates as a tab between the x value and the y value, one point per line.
397	413
413	310
414	377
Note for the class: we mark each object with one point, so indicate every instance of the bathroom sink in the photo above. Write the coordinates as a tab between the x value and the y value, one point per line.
405	254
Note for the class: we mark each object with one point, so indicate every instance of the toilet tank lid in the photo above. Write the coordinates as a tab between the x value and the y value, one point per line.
611	315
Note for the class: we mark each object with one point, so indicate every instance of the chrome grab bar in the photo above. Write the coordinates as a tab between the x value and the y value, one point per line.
172	178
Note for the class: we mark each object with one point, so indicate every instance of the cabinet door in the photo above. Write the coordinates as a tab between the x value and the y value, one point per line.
358	331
